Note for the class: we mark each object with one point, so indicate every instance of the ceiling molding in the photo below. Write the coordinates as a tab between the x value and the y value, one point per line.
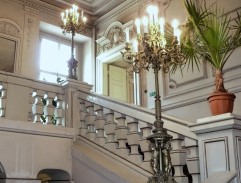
120	10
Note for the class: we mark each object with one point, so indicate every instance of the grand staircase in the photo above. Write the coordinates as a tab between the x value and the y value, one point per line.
96	138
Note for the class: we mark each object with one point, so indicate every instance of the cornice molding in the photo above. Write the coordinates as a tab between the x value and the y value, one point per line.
114	36
9	27
39	7
120	10
42	7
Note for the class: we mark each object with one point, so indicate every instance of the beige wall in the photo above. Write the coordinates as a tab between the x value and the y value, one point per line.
183	96
87	63
31	148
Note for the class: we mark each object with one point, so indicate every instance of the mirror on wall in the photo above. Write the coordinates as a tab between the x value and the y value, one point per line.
7	54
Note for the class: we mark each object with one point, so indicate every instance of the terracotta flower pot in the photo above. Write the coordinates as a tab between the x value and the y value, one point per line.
221	103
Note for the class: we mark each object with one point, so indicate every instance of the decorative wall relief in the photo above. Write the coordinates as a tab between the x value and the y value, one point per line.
130	75
29	67
9	28
30	16
113	36
187	77
29	26
10	35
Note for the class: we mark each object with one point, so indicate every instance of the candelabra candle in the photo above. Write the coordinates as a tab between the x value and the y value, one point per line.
153	50
72	23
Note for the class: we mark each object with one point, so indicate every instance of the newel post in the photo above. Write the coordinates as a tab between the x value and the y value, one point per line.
71	101
219	146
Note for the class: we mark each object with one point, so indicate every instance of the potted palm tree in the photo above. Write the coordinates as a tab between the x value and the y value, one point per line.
210	35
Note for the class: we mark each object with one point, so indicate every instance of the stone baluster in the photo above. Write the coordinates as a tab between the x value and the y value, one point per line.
109	127
31	102
192	159
83	113
178	158
90	118
133	138
58	110
49	108
121	135
2	100
37	107
99	125
146	129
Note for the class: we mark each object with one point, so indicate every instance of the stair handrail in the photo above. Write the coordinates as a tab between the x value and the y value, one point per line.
141	113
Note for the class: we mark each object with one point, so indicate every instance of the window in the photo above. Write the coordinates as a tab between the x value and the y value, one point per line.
53	60
7	54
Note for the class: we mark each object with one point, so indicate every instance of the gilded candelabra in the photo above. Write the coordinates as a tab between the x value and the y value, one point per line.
72	23
153	51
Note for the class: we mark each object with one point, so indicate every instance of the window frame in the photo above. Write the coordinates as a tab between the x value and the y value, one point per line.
59	41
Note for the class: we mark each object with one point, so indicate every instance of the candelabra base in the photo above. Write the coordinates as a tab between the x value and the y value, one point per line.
161	177
160	146
72	65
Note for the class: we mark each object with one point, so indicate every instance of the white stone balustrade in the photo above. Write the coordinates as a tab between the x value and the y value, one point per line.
178	157
99	125
38	106
127	127
192	161
116	126
2	99
49	108
109	128
83	113
133	138
58	111
21	97
30	108
121	135
146	129
90	118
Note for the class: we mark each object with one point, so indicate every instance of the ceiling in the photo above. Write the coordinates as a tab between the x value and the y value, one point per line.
95	8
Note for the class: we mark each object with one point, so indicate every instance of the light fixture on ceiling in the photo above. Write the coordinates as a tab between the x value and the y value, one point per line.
72	22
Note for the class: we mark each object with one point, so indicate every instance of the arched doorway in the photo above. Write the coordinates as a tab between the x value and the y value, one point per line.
53	176
2	174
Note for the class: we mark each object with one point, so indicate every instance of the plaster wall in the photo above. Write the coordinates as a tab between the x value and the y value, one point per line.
184	95
87	63
34	147
6	7
93	164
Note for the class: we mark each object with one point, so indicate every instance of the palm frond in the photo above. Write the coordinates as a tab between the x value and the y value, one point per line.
208	35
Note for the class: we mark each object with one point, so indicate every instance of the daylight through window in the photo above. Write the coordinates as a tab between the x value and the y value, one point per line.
53	60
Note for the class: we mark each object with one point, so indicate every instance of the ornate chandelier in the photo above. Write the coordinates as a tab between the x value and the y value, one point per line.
152	49
72	23
158	47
